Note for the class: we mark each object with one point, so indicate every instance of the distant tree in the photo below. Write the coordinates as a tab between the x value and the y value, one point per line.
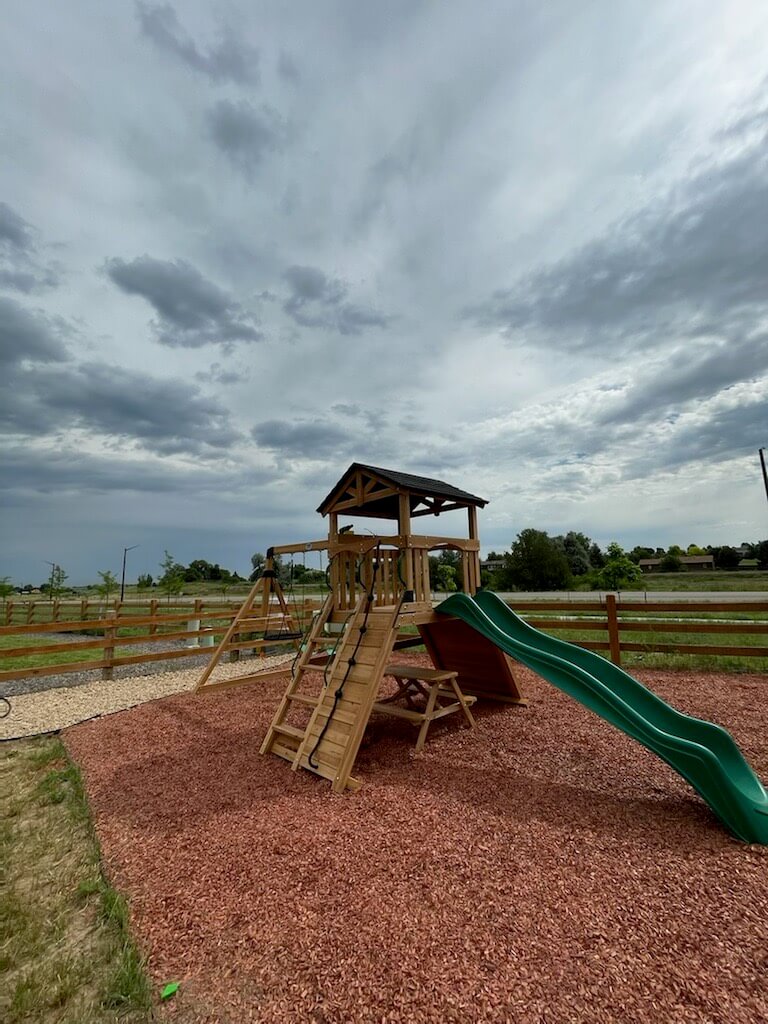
761	553
725	557
6	588
575	546
446	578
694	549
675	549
535	562
108	584
172	580
639	552
439	576
257	565
596	556
144	581
619	569
55	583
671	562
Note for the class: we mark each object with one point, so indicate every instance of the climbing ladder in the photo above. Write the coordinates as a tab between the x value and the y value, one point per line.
283	738
329	742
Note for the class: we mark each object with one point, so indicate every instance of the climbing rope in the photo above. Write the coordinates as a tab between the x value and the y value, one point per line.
339	693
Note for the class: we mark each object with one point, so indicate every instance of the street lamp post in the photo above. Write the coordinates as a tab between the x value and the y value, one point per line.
53	573
122	578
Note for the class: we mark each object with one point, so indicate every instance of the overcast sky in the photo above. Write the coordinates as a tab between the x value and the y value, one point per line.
521	247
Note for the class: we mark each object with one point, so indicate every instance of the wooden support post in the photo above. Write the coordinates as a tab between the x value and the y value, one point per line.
613	628
404	529
84	609
153	615
56	611
109	646
8	613
30	613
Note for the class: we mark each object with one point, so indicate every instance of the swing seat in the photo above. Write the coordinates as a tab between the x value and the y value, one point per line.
284	636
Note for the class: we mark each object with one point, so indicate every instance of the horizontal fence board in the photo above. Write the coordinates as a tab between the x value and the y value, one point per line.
740	652
53	670
692	627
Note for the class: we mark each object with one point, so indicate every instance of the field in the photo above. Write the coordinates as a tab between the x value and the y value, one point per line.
703	581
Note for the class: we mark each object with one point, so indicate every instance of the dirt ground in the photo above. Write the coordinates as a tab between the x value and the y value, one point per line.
541	868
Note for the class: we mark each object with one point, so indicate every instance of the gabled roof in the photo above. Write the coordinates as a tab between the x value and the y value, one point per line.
372	491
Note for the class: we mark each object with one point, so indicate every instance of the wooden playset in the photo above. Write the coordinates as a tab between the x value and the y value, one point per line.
379	603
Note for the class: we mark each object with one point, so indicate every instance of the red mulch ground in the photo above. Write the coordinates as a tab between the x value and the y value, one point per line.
541	868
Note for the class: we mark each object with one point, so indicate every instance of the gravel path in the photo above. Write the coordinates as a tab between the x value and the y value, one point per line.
541	869
70	700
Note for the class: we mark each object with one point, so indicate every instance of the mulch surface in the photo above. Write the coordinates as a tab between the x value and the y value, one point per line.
541	868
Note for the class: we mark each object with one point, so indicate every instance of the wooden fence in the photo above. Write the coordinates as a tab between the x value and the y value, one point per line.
627	626
114	631
615	619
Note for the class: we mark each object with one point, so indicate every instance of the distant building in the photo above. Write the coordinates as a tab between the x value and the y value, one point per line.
748	563
689	563
492	565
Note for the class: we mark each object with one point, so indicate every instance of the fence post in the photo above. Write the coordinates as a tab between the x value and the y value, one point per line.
109	645
613	628
83	609
30	612
56	614
8	612
153	615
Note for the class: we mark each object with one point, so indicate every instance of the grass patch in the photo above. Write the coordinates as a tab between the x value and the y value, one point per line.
66	953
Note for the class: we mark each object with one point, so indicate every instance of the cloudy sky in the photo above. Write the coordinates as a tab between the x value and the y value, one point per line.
522	247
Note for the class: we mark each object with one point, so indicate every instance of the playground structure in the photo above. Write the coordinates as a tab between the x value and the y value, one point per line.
380	593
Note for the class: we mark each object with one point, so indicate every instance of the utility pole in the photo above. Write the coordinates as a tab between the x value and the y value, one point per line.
122	578
53	573
761	453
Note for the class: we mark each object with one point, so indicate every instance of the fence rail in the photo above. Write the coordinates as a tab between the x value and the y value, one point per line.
115	631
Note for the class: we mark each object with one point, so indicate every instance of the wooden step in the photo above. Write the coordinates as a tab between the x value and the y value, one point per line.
289	730
303	698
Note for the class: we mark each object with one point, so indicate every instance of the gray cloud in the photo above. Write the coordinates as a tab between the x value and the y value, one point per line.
22	267
14	230
696	254
319	301
167	415
244	133
26	336
301	438
698	370
724	431
192	311
230	59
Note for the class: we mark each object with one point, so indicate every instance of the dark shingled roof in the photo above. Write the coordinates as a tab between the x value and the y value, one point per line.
386	508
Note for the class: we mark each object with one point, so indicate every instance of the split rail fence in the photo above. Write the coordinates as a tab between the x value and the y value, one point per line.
615	628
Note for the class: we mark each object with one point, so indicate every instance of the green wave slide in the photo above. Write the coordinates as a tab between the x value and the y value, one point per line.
704	754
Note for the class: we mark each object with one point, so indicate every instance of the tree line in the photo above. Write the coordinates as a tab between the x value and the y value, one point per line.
537	561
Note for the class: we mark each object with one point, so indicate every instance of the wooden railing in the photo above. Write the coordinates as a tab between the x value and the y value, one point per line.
115	631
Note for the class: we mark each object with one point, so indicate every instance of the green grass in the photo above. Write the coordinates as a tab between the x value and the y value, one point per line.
703	581
67	953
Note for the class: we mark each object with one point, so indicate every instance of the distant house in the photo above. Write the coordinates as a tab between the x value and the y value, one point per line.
748	563
492	565
689	563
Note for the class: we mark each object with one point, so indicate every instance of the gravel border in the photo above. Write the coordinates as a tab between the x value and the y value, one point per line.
87	696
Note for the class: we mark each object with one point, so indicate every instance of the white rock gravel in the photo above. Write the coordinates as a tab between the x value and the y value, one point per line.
61	706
